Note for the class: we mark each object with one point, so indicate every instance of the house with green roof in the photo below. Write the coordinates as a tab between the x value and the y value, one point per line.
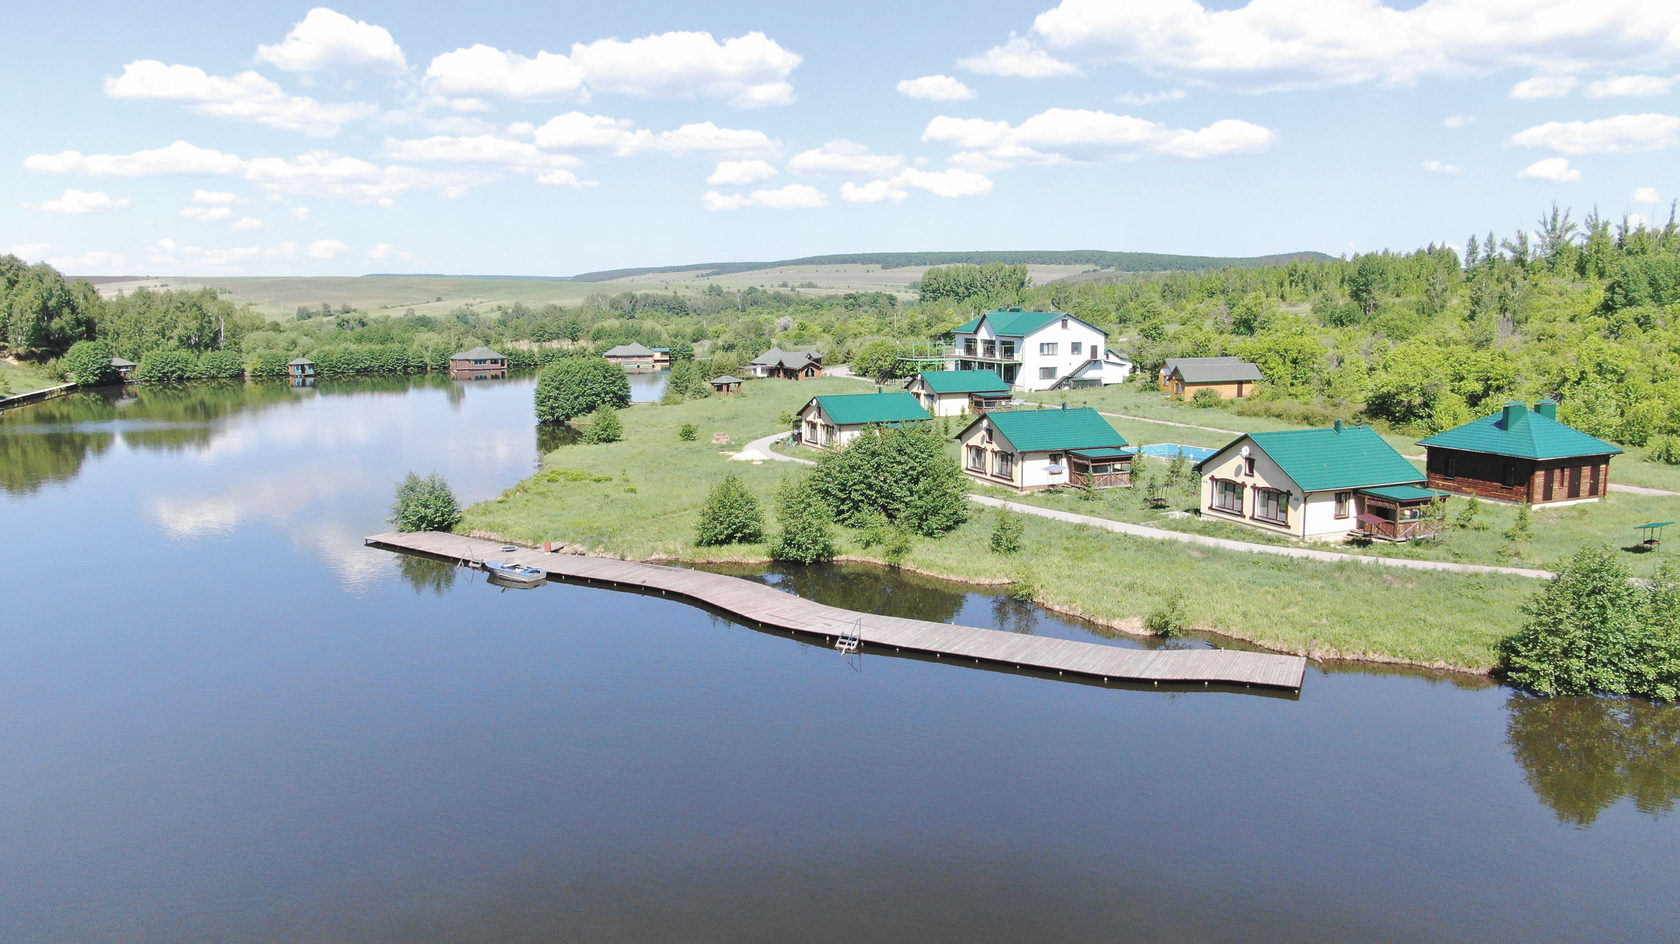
956	392
1319	484
1520	455
1030	450
1037	350
837	419
480	363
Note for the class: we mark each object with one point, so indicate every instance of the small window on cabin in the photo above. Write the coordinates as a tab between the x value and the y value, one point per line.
1248	465
1449	466
977	458
1047	348
1509	475
1064	324
1344	504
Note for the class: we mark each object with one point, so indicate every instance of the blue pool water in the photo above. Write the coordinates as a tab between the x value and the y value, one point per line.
1168	450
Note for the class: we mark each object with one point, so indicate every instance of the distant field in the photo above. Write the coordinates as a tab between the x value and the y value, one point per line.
830	278
394	294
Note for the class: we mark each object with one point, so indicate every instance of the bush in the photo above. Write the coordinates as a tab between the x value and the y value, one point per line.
1006	534
88	363
1522	529
604	426
220	365
1168	620
687	381
166	365
1587	631
1467	515
1206	398
1663	449
574	386
688	432
895	546
425	504
731	515
805	536
901	474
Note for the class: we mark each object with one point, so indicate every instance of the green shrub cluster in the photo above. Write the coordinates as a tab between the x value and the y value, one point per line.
1006	534
805	536
575	386
88	363
604	426
901	474
730	515
425	504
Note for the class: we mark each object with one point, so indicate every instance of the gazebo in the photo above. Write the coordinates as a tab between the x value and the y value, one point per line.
726	385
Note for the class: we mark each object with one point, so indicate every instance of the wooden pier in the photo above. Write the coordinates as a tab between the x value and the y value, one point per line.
767	606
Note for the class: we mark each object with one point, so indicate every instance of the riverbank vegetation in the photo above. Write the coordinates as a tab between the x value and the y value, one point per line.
641	498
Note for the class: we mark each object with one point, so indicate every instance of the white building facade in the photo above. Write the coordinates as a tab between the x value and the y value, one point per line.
1037	350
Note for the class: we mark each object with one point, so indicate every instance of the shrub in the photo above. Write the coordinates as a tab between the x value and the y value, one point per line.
1467	515
165	365
687	381
1006	534
688	432
425	504
1206	398
805	536
1522	529
730	515
89	363
899	473
1581	631
574	386
1167	620
1663	449
604	426
220	365
895	546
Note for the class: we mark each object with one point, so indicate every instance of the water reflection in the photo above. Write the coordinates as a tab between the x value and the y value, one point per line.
1581	755
424	573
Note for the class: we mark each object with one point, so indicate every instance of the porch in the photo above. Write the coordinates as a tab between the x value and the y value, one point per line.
1100	468
1402	513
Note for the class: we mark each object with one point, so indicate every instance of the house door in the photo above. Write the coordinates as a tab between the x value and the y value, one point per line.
1551	474
1575	482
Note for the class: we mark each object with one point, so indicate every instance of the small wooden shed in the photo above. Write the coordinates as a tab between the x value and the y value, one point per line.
301	369
726	385
480	363
123	368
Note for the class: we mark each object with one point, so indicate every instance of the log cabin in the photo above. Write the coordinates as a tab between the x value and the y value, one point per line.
1520	455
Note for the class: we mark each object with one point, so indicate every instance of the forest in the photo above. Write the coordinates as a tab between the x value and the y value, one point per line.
1587	312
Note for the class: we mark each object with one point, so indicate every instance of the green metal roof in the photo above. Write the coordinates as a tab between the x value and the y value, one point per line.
1046	430
1522	433
851	409
1404	493
1320	460
963	381
1010	323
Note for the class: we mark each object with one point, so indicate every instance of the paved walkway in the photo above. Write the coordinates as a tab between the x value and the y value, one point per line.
759	449
1641	490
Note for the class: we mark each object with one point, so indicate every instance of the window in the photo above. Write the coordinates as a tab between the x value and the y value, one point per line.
1449	467
1003	465
1076	348
1047	373
1344	504
1228	496
969	347
1064	324
988	435
1248	465
1508	475
1048	349
1271	505
976	459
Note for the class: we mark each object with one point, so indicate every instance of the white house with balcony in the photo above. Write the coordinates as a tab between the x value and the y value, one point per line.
1037	350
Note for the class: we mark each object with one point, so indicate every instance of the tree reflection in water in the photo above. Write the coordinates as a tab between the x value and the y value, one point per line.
1581	755
424	573
868	589
1014	616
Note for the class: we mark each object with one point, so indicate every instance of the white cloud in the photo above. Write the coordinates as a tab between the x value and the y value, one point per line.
247	223
180	158
301	214
1019	58
244	97
1544	86
326	249
1271	45
328	41
167	251
521	129
740	173
1440	167
791	197
1646	195
97	259
27	251
214	197
935	88
1458	121
478	149
1062	134
338	176
1637	221
83	201
494	73
1554	170
749	70
385	252
844	158
1629	85
206	214
876	191
707	138
1151	98
1623	134
590	134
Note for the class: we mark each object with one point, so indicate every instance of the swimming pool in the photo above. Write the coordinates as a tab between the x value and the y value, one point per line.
1168	450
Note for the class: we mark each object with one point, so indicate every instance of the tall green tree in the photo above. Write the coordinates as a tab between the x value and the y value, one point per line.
901	474
88	363
1582	634
576	386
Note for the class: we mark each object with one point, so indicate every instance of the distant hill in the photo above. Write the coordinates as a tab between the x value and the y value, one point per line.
1113	261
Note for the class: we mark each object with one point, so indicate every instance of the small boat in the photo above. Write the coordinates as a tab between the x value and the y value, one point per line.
509	574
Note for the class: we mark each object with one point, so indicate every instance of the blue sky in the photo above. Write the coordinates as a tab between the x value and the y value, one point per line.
542	139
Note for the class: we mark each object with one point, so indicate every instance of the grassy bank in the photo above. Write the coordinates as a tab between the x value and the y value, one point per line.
24	378
640	498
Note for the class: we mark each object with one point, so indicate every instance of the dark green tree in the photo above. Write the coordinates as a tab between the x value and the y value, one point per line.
805	536
731	515
901	474
89	363
604	426
1582	632
425	504
877	360
575	386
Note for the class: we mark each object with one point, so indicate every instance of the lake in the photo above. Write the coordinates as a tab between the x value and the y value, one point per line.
224	719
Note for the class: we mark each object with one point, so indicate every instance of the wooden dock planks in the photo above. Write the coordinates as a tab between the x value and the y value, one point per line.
769	606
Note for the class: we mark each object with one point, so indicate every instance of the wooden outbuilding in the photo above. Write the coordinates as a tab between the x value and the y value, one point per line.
725	385
480	363
634	357
301	369
123	367
1031	450
959	392
1230	377
787	365
1520	455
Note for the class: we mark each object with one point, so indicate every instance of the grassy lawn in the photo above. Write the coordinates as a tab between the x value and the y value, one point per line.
640	498
23	378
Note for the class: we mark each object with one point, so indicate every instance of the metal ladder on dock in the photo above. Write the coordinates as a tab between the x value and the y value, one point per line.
849	640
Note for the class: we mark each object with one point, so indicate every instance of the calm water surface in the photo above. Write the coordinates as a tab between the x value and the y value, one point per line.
223	719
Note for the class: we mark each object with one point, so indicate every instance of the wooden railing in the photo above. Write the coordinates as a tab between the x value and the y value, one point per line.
1404	530
1115	479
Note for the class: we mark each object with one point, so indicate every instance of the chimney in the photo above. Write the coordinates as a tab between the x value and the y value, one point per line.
1338	426
1513	411
1547	408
